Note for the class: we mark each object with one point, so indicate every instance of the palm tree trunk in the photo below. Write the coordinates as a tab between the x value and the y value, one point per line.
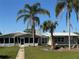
33	33
69	30
69	34
53	41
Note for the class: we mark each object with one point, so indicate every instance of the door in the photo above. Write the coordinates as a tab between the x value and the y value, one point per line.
22	41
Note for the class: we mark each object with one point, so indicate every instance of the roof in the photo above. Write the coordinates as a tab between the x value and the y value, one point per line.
13	34
61	34
17	34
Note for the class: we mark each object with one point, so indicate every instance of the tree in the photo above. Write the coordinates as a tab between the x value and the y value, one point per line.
69	5
28	30
0	33
50	26
29	12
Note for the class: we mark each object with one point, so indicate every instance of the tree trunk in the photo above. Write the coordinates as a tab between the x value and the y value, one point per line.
53	41
33	33
68	18
69	33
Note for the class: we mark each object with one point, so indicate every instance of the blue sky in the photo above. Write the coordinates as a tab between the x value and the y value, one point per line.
9	9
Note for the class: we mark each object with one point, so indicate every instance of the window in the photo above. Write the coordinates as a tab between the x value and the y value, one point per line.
36	40
45	40
26	40
18	40
42	40
1	40
60	39
11	40
6	40
31	40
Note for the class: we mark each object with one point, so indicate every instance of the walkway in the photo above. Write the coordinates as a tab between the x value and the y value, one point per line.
20	54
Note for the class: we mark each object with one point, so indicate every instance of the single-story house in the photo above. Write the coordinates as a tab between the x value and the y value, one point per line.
61	38
23	38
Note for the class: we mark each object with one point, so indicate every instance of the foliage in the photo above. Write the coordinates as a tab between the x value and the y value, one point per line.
28	30
29	12
49	26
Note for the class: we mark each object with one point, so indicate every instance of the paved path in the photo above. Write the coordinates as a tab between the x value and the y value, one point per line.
20	54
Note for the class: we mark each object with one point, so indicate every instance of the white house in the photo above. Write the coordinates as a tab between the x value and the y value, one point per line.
61	38
22	38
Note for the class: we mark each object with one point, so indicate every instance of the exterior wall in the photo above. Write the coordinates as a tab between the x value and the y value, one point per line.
18	41
30	44
63	40
7	45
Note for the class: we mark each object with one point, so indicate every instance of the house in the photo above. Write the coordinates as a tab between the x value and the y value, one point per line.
61	38
23	38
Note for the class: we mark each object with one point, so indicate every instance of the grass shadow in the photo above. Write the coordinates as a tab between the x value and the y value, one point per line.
4	57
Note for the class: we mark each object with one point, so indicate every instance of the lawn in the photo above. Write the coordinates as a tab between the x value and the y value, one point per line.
8	52
39	53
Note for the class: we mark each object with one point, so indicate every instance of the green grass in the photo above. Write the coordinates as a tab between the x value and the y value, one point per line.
39	53
8	52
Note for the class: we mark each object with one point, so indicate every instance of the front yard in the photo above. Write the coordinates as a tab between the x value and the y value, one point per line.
8	52
39	53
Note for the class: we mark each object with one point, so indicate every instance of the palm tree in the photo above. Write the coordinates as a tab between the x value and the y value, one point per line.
29	12
0	33
28	30
69	5
50	26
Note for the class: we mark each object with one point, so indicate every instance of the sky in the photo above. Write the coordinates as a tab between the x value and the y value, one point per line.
9	9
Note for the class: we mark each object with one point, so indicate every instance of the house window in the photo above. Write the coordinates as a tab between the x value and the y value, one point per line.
60	39
18	40
6	40
1	40
42	40
26	40
45	40
11	40
36	40
31	40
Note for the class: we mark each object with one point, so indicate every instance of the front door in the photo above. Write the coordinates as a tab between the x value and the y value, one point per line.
22	41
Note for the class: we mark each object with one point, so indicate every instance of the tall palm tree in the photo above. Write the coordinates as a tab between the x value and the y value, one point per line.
29	12
28	30
50	26
69	5
0	33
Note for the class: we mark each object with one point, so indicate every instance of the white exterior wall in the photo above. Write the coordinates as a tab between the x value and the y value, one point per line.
7	44
73	41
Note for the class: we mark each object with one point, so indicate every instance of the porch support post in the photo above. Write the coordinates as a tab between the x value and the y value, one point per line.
9	40
17	41
4	41
29	41
41	40
14	40
38	40
20	41
24	40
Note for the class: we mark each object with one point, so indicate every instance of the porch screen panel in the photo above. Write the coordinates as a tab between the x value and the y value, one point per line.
1	40
26	40
36	40
6	40
42	40
11	40
31	40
